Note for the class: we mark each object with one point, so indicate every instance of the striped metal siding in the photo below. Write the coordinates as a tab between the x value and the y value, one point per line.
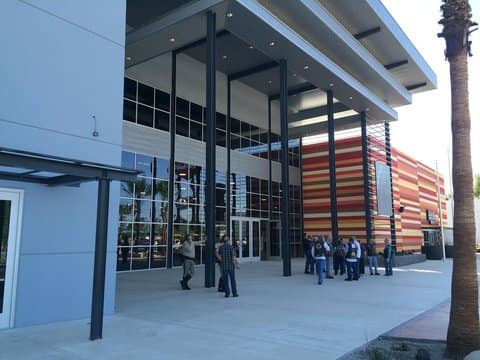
414	187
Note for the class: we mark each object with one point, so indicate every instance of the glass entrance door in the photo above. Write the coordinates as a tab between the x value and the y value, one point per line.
246	238
9	225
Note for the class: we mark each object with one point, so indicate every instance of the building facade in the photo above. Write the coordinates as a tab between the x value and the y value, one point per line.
207	100
417	193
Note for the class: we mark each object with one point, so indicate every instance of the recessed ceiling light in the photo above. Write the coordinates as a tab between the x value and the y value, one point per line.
272	43
367	109
229	14
350	98
331	84
269	81
294	75
250	47
128	58
172	39
306	67
224	57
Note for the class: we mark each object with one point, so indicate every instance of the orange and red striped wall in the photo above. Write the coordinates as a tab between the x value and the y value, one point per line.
414	187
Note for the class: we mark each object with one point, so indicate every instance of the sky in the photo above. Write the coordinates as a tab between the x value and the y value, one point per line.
423	130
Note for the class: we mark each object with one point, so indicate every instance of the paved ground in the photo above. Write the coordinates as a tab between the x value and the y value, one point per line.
274	317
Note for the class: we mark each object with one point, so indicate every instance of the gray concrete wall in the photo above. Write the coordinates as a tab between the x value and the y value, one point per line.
62	62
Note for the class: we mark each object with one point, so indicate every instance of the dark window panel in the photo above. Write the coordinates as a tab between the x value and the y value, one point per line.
183	107
159	257
129	111
235	126
263	137
145	115
196	112
255	202
245	143
234	142
182	126
162	120
204	115
221	121
130	89
145	94
245	129
221	138
196	130
162	100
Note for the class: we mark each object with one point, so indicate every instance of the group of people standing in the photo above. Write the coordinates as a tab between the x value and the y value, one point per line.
226	260
345	256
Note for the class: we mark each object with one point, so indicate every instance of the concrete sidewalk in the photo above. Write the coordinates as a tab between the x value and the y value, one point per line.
274	317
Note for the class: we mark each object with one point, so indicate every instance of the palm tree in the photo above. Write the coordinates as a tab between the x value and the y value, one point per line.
463	329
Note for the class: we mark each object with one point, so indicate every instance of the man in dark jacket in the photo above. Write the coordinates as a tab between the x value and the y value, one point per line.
388	256
339	251
307	250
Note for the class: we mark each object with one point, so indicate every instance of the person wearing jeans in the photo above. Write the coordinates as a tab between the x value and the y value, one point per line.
352	259
319	250
388	256
226	254
372	257
307	250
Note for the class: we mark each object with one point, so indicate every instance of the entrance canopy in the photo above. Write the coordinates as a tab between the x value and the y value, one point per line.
18	165
322	52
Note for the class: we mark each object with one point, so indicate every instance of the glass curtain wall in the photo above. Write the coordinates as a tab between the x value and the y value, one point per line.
143	205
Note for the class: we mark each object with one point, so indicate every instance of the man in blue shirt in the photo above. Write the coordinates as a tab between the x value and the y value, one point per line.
226	254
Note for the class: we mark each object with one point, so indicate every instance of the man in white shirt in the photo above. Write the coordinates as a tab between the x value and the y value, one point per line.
352	259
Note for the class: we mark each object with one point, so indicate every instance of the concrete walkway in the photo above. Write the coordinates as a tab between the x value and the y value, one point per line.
274	317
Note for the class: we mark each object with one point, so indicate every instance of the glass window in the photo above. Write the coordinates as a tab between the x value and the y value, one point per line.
162	100
144	164
129	111
196	130
221	138
160	211
145	94
183	107
161	168
162	120
234	142
145	115
182	126
159	257
125	212
127	189
159	234
245	129
142	210
235	126
195	174
160	191
196	112
221	121
181	171
130	89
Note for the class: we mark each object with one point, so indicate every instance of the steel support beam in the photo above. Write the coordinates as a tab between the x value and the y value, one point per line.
332	167
316	112
270	203
98	289
210	202
228	130
367	33
415	86
286	256
302	224
388	151
171	167
395	64
366	177
295	90
254	70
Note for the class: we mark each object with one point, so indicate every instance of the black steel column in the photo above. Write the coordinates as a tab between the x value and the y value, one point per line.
388	151
332	165
98	292
366	176
229	186
171	173
210	154
300	154
287	266
270	202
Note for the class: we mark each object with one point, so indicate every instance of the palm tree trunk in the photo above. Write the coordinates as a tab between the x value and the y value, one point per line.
463	330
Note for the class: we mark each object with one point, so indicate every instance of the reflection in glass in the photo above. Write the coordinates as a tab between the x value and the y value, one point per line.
159	234
141	235
245	239
160	190
256	238
142	210
160	211
159	257
5	207
143	163
125	210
